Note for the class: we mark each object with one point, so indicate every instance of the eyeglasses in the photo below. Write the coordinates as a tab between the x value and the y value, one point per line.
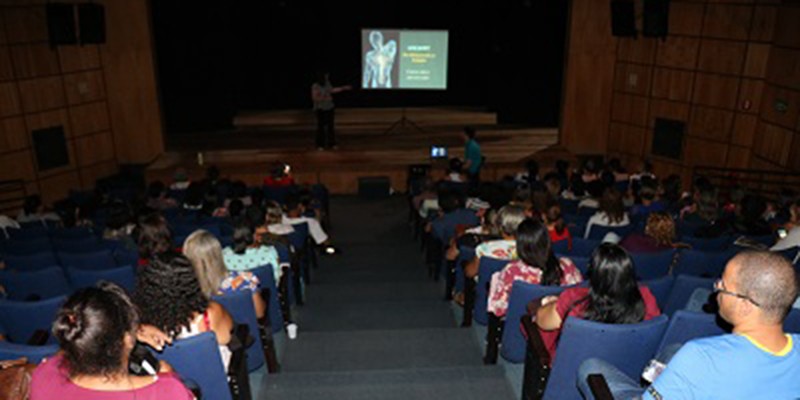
719	287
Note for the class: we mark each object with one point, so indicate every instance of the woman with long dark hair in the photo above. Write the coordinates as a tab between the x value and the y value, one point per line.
96	330
611	212
536	264
613	297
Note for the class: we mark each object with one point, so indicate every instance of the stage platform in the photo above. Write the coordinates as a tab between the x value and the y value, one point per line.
366	145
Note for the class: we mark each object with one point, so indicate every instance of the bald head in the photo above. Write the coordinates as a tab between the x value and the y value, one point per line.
769	279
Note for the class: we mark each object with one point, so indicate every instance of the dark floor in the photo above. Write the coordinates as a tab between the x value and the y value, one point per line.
374	326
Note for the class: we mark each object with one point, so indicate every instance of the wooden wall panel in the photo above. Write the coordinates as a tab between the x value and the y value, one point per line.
79	58
6	66
89	118
83	87
744	129
92	149
638	51
672	84
42	94
727	21
685	18
784	68
13	135
738	157
787	30
17	165
763	26
773	94
49	119
57	187
91	174
711	123
721	56
750	90
715	90
34	60
630	109
678	52
3	37
773	143
633	78
705	152
26	24
615	133
667	109
757	60
10	103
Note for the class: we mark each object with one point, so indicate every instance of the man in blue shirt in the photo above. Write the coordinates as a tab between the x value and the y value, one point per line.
473	158
758	360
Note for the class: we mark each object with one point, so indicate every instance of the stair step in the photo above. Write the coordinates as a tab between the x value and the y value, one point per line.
386	315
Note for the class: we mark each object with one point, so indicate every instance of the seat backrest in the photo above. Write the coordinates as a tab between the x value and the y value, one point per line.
582	263
72	233
444	227
29	262
34	354
29	232
486	267
687	325
599	232
103	259
522	293
22	318
652	265
792	322
682	290
702	263
27	247
197	358
124	276
583	247
298	238
707	244
40	284
627	346
240	306
660	287
80	245
266	275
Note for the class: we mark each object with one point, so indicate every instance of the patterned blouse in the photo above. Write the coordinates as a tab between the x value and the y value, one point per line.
253	257
500	249
502	281
238	281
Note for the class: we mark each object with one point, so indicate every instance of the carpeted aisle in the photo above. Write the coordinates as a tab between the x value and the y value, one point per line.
375	326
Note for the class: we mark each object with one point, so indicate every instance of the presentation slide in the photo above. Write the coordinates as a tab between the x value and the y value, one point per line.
403	59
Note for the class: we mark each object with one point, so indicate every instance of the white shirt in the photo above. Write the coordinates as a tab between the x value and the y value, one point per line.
314	228
600	218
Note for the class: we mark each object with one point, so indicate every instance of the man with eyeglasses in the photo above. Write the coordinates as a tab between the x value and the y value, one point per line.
757	361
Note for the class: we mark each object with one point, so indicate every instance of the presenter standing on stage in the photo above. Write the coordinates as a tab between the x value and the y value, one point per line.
322	95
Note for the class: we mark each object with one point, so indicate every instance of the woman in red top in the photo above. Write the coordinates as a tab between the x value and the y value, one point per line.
280	176
613	297
555	224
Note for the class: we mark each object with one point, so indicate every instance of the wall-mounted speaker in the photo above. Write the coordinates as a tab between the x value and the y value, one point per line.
623	18
655	18
92	23
61	24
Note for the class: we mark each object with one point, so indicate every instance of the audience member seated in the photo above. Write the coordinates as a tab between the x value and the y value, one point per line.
658	235
96	330
509	218
205	253
613	297
157	198
238	191
556	227
34	211
281	176
153	237
536	264
295	215
594	190
758	360
180	180
169	296
246	254
611	212
670	193
704	214
750	217
273	221
648	200
194	200
455	171
120	225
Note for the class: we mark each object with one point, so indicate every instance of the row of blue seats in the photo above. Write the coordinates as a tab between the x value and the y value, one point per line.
54	281
98	259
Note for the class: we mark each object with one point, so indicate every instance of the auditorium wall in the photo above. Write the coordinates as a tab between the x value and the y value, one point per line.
729	69
103	95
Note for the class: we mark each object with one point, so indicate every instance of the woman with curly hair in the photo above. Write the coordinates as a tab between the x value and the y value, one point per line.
96	330
205	253
170	298
658	235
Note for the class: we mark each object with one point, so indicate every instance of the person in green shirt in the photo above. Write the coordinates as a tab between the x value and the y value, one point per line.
472	156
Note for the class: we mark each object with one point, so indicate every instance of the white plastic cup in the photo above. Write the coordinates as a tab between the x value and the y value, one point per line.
291	331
